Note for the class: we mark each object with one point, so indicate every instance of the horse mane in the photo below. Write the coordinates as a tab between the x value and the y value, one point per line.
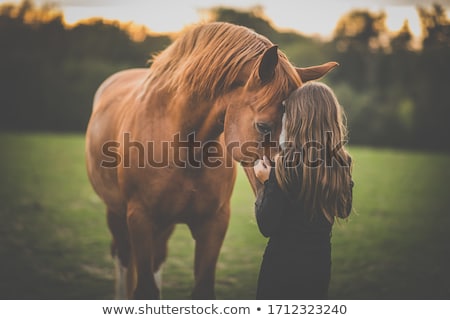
206	60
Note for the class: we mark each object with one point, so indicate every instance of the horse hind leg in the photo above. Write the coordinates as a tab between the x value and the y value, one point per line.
120	250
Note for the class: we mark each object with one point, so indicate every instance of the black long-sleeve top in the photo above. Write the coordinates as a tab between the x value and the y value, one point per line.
297	259
280	217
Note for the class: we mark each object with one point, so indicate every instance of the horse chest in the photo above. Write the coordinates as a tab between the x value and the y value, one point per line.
192	201
181	200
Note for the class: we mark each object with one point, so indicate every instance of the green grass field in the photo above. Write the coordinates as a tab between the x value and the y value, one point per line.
54	242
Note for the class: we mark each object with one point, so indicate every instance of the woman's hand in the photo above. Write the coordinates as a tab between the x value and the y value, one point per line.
262	169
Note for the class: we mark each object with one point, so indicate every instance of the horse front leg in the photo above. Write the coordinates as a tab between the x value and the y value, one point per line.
160	240
120	250
141	229
209	235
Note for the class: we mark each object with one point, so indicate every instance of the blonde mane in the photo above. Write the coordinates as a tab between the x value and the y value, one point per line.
206	60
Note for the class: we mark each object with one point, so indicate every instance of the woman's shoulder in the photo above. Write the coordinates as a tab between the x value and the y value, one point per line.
272	183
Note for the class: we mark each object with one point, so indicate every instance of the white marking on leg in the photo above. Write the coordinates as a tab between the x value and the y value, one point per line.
121	280
158	277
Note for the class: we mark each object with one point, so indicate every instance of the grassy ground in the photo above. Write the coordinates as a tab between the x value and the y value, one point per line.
54	243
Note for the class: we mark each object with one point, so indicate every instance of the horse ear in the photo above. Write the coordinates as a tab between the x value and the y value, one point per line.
315	72
268	63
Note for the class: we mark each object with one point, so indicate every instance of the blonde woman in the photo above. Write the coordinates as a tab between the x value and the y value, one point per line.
307	189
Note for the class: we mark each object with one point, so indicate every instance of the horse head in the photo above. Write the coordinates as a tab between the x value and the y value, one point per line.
254	111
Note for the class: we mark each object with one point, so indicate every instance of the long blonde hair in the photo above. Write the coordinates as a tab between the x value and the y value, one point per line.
314	166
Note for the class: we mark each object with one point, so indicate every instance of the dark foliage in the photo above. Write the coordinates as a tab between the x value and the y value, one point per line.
394	93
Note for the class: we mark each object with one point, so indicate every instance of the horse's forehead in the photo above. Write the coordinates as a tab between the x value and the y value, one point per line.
270	108
263	101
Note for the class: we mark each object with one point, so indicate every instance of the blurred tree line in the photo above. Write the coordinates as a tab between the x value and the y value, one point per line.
49	72
391	87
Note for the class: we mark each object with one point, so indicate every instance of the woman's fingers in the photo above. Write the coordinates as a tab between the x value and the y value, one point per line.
258	166
266	161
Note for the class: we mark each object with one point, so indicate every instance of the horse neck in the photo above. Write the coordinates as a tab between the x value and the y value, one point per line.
183	113
200	116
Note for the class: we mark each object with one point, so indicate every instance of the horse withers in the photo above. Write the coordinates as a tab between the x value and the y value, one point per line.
216	90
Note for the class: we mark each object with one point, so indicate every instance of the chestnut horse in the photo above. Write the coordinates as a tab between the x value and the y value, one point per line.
218	83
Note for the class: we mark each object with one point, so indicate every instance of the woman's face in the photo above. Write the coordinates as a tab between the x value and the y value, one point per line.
283	132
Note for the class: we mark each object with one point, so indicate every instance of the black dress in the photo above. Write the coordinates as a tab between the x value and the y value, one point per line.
297	259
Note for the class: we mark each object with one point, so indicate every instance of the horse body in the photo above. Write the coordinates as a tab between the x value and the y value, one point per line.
119	187
213	84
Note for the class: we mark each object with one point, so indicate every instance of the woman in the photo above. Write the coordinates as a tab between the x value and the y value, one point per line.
309	187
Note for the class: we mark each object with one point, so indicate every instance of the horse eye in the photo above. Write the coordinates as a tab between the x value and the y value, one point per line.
263	128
